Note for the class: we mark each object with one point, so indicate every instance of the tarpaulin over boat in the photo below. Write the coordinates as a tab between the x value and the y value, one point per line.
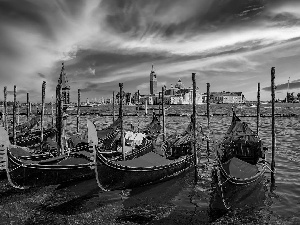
239	130
240	141
154	127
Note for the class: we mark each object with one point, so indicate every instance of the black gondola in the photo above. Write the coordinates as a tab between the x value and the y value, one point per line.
148	168
240	160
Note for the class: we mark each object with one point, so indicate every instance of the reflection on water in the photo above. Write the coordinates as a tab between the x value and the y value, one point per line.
177	201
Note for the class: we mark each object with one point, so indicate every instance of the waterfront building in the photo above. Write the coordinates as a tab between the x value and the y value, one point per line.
226	97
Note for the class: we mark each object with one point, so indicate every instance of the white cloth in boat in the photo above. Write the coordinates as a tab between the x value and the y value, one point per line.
240	169
134	138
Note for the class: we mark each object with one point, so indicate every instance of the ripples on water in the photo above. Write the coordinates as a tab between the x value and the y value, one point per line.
177	201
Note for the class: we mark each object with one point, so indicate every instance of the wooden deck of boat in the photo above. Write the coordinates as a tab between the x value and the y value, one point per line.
148	160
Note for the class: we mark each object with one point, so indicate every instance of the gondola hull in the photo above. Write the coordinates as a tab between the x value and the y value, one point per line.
240	162
22	174
111	175
231	195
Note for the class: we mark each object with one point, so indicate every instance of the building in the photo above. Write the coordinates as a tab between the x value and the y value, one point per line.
179	95
226	97
233	97
63	81
153	82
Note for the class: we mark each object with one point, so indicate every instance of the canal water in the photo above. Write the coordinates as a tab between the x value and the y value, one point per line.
179	200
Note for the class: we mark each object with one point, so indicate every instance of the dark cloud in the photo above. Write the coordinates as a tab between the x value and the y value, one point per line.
280	87
138	18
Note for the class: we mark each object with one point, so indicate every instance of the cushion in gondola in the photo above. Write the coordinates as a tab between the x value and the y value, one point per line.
73	161
18	151
240	169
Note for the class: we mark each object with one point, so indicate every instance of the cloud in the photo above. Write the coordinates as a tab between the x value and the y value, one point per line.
285	86
229	43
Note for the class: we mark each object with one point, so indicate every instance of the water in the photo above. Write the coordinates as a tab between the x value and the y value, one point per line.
177	201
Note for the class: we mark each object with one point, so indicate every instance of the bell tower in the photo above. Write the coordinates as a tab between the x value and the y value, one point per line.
153	82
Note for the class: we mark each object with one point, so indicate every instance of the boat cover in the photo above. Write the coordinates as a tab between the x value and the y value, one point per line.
239	169
147	160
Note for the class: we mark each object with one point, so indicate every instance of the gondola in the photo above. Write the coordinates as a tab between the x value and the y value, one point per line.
25	169
240	160
148	168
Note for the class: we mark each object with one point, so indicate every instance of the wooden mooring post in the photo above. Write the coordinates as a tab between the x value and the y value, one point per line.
138	111
5	108
163	112
14	115
258	109
113	102
59	119
121	116
18	113
27	107
42	110
273	124
194	127
78	111
52	114
208	116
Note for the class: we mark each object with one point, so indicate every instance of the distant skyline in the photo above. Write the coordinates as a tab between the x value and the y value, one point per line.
231	44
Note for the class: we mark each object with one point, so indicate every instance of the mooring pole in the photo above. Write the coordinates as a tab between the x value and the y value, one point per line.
208	115
14	114
59	119
5	108
28	106
78	111
273	124
113	102
194	126
52	114
18	112
42	110
258	109
159	111
163	112
138	111
146	106
121	116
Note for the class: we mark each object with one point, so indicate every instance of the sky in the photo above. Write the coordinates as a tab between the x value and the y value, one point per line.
231	44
